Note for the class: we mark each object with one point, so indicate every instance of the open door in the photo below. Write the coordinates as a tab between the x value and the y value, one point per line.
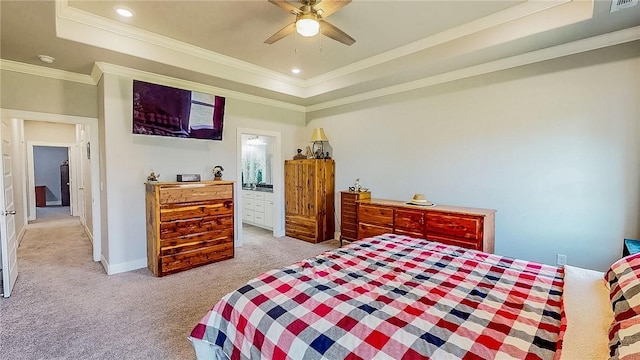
8	238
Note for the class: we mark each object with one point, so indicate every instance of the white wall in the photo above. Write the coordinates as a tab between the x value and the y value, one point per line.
128	159
553	147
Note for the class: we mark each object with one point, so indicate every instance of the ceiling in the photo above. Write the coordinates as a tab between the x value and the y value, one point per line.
399	44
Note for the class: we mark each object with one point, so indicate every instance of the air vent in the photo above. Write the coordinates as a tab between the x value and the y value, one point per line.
622	4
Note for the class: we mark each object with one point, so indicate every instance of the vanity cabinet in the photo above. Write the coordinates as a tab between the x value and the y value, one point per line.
471	228
257	208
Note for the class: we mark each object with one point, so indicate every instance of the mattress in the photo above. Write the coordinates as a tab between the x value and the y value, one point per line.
390	297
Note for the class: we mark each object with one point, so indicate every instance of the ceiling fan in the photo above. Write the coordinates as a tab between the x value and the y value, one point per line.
310	20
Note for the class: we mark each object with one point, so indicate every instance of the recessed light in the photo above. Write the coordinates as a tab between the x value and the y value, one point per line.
295	71
123	11
46	59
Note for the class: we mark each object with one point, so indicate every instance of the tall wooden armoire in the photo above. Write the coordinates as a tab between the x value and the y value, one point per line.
309	199
65	196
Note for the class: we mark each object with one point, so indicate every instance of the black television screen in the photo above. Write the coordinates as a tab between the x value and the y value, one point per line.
167	111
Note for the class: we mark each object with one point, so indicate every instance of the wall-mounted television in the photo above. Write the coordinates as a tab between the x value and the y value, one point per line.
166	111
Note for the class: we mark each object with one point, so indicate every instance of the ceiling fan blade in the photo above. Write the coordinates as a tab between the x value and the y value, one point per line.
325	8
336	34
286	6
281	33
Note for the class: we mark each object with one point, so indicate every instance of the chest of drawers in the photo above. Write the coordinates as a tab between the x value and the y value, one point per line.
348	214
471	228
188	225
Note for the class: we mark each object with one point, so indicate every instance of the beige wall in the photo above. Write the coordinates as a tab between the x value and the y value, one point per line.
553	146
41	94
40	131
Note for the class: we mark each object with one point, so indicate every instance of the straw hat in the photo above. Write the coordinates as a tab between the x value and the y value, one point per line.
420	199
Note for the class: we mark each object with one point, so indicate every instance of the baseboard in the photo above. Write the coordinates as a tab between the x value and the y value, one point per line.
123	267
89	235
21	234
54	203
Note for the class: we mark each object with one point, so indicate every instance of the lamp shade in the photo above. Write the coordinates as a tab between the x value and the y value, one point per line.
307	25
319	135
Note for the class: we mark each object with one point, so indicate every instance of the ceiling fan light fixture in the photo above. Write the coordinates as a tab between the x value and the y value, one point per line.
307	25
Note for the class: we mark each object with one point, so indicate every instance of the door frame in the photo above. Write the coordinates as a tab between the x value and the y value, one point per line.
94	139
31	185
277	178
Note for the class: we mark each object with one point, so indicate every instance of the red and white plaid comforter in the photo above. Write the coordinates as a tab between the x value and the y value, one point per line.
392	297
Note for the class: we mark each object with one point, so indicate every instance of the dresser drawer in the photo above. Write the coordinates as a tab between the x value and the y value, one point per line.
369	230
196	241
350	197
301	228
190	259
258	195
349	233
349	209
465	243
194	192
409	221
192	227
247	194
458	226
375	215
195	210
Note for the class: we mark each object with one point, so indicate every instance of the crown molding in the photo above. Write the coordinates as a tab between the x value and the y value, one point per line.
100	68
593	43
36	70
501	17
80	26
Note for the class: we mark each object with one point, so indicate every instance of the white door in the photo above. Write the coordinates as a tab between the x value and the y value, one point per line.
8	238
79	176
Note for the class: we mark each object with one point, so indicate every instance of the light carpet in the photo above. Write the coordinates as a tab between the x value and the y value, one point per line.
64	306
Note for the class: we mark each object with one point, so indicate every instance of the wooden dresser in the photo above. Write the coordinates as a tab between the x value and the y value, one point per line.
470	228
188	224
348	214
309	199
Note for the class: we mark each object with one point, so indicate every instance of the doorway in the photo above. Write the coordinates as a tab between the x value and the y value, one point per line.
83	150
260	187
50	176
51	181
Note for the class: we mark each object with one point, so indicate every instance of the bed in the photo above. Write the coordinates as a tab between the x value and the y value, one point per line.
396	297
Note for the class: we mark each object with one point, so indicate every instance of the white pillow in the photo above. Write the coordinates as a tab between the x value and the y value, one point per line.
589	314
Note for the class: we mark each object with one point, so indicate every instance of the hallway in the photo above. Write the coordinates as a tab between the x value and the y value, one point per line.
53	216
